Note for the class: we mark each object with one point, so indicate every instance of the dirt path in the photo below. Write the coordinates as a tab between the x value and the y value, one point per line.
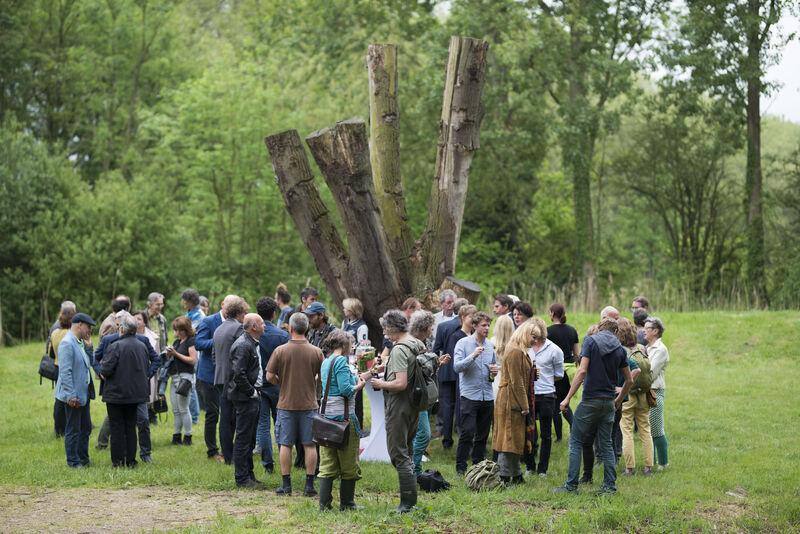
93	510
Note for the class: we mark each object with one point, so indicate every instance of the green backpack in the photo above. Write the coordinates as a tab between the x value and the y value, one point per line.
645	379
483	476
422	389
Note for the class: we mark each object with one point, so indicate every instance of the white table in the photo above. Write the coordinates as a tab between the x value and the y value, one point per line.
373	447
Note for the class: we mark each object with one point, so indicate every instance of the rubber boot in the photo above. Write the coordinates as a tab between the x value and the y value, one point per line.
325	491
187	440
176	439
408	493
347	494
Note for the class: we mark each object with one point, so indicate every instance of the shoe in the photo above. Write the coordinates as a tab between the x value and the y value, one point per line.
325	494
529	472
347	493
460	472
218	457
408	493
187	440
269	468
147	460
78	466
585	480
251	484
310	492
99	447
506	482
647	472
284	490
176	439
256	450
605	491
630	473
542	475
663	467
564	489
519	479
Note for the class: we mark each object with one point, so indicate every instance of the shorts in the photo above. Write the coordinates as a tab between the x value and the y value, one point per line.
294	426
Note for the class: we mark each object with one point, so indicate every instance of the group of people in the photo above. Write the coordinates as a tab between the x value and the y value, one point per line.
248	373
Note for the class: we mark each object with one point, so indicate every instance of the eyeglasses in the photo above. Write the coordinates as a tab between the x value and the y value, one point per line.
650	328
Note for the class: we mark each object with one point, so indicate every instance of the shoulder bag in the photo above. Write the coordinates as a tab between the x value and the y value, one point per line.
328	432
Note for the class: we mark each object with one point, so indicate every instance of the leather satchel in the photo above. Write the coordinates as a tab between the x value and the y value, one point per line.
328	432
48	369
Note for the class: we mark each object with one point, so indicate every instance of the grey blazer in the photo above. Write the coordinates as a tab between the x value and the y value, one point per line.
224	336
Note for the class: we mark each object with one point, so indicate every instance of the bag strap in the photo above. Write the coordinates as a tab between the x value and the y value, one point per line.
328	388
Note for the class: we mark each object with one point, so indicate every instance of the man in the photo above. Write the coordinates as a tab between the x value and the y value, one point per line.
109	324
601	356
272	338
142	417
609	312
206	391
75	388
474	360
640	302
158	323
295	368
502	305
190	299
307	296
640	316
449	402
318	325
446	300
242	389
224	336
282	297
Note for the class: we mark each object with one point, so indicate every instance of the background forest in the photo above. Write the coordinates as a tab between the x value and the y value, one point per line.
616	153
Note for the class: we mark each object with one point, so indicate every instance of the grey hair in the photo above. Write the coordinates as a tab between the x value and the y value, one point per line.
339	339
420	322
204	300
68	305
458	303
447	293
127	324
299	323
394	320
655	321
154	296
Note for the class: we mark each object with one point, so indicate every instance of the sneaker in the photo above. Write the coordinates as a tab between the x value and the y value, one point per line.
542	475
606	491
218	457
630	473
585	480
147	460
284	491
647	472
529	473
310	492
563	489
663	467
269	468
460	472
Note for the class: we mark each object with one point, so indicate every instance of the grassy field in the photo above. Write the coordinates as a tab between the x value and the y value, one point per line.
730	420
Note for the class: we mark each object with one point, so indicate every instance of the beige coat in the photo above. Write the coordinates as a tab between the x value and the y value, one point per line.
512	399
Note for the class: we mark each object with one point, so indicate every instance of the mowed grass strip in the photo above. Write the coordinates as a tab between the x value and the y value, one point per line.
731	420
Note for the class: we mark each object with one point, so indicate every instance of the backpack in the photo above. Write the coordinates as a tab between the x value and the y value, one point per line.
483	476
432	481
422	389
645	378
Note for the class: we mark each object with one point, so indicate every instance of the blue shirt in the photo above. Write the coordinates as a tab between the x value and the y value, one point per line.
473	374
285	312
272	338
196	316
550	363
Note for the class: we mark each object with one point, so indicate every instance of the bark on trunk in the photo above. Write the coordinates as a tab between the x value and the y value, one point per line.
311	217
462	113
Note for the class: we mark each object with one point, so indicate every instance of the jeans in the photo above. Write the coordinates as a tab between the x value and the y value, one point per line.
122	420
476	421
180	405
246	422
421	440
77	427
545	407
227	425
269	403
194	404
589	411
59	417
104	433
210	401
143	426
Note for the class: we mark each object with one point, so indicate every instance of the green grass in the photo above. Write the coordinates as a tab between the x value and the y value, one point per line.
731	420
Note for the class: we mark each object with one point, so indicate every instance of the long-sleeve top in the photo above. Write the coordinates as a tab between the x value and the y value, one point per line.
658	355
550	363
74	378
474	373
272	338
204	343
246	370
342	384
155	359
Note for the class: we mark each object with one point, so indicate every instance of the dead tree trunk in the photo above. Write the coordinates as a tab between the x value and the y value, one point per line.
382	263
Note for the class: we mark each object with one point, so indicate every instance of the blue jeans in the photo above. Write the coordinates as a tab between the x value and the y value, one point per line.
269	403
422	439
194	405
143	426
589	412
77	428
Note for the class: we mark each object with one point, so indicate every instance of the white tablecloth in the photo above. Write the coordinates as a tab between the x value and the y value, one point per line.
373	447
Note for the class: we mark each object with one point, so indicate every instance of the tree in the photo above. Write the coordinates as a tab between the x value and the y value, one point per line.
727	46
586	56
382	264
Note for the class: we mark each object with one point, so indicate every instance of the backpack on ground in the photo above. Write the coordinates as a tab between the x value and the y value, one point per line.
645	378
422	389
483	476
432	481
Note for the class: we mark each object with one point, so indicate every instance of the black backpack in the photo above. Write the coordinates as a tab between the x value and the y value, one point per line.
432	481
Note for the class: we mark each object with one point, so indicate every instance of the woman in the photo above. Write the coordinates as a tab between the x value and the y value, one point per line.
333	462
550	367
566	337
143	323
402	419
56	336
658	355
124	369
357	327
511	406
634	408
421	327
521	312
503	329
184	357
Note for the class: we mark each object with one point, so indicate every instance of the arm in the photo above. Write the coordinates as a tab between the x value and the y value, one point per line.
109	365
67	353
272	378
191	358
272	367
399	383
98	355
461	360
239	361
576	383
558	363
204	339
342	376
517	392
626	372
658	359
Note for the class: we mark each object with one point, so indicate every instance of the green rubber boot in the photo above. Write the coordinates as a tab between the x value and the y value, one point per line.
347	494
408	493
325	494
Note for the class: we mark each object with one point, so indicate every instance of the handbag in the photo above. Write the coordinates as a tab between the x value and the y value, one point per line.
48	369
160	404
184	386
652	401
327	432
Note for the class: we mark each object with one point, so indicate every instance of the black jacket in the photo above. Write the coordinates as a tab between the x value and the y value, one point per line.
125	367
245	369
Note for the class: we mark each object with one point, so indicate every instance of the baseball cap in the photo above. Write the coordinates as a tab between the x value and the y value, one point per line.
314	308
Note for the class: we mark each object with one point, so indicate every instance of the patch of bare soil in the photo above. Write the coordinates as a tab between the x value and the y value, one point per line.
90	510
